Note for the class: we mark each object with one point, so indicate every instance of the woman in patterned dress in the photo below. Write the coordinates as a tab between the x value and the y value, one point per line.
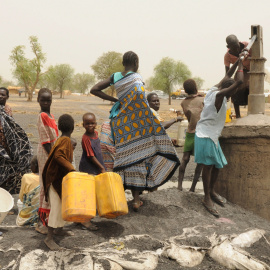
48	133
15	148
145	157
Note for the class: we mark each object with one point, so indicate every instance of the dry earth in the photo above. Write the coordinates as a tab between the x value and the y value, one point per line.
165	213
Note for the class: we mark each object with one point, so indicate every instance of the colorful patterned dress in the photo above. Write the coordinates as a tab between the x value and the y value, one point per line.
145	157
15	152
48	133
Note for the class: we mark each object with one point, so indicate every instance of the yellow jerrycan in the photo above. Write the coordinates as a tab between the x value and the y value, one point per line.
111	199
78	197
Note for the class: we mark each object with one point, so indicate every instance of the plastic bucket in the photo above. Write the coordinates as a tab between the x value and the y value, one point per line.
6	203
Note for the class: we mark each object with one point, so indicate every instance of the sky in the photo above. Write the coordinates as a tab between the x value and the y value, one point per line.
78	32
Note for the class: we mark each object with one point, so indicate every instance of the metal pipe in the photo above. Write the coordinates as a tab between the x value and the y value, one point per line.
249	46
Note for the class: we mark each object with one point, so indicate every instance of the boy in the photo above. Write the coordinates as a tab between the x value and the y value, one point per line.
57	166
207	149
192	107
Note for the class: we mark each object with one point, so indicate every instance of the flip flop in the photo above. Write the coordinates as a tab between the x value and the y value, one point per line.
211	210
136	206
219	200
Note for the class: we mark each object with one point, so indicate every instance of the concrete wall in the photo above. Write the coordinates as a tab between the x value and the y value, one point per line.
246	179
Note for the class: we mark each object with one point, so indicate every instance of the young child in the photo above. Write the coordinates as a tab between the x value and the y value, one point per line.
57	166
48	133
207	148
192	106
91	160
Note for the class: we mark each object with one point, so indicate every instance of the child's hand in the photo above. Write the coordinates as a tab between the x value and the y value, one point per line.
103	170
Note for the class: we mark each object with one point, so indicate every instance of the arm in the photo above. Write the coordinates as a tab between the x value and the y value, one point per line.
98	164
172	121
64	163
47	147
228	92
226	69
97	90
229	73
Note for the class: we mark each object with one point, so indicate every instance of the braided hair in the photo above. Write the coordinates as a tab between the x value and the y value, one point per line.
44	90
130	59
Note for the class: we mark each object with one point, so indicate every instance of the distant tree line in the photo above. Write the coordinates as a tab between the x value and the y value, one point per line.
31	74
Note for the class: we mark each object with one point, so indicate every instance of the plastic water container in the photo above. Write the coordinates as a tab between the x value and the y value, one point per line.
111	199
181	134
78	197
6	203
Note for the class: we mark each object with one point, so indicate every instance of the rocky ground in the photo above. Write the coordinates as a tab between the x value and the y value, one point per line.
165	214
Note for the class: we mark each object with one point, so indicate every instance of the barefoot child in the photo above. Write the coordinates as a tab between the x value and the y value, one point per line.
192	106
48	133
58	165
207	149
91	160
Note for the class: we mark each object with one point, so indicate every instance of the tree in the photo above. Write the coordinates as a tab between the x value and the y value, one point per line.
106	65
82	81
58	77
28	71
199	81
169	73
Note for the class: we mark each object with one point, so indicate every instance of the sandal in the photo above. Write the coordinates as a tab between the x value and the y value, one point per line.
218	199
136	206
211	210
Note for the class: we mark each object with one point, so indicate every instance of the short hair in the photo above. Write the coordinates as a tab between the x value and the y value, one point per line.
88	113
231	39
34	163
66	123
44	90
190	86
130	58
4	88
227	83
150	95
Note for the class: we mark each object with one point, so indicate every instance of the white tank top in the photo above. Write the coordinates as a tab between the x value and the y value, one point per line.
211	122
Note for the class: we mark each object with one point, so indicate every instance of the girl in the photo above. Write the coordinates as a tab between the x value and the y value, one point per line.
48	133
57	166
91	160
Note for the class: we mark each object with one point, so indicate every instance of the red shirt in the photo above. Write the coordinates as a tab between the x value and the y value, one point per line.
86	144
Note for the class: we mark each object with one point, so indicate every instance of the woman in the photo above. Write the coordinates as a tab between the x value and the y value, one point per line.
15	148
145	157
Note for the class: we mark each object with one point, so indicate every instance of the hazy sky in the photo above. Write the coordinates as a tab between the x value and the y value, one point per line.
78	32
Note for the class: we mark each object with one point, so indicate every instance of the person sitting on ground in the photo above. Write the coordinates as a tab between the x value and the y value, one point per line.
207	149
192	107
57	166
29	196
154	104
240	98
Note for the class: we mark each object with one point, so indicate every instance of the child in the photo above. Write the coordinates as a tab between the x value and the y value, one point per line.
74	144
192	106
91	160
207	148
29	196
57	166
48	133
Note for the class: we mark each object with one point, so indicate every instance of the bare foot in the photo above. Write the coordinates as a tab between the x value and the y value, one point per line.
192	190
42	229
52	245
136	206
62	232
90	226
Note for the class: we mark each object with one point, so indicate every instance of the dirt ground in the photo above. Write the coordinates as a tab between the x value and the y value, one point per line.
165	213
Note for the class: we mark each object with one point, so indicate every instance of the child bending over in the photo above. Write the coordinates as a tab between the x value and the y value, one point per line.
57	166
